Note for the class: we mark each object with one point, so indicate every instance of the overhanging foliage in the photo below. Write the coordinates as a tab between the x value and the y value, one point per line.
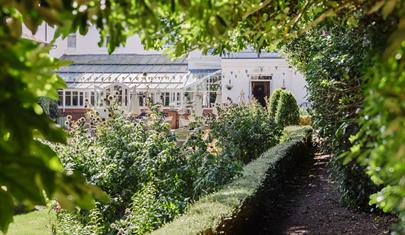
26	69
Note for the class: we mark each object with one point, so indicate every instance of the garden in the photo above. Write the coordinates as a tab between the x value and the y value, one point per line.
123	175
150	177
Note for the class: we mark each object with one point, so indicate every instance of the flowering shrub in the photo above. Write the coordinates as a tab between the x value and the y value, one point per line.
245	131
147	176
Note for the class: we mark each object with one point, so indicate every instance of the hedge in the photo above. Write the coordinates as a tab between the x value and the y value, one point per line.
228	210
287	110
273	102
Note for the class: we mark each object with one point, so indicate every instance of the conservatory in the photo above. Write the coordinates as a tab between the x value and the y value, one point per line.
133	89
134	81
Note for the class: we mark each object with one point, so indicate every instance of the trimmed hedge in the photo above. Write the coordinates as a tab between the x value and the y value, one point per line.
228	209
273	102
287	110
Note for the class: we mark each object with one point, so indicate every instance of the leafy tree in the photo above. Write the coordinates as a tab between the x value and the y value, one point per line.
288	112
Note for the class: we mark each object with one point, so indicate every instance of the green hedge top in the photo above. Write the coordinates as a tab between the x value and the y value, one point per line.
206	214
273	102
287	110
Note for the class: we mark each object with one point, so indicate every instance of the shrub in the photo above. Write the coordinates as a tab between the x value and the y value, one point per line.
287	110
226	209
245	131
380	143
334	61
273	102
50	107
138	163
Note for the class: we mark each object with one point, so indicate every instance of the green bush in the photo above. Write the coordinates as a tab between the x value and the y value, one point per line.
273	102
218	211
334	61
380	143
148	177
245	131
50	107
287	113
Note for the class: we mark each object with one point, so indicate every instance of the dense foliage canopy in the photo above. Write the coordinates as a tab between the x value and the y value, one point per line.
28	166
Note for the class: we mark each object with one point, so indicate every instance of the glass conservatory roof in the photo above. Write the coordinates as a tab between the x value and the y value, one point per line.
130	80
124	63
140	71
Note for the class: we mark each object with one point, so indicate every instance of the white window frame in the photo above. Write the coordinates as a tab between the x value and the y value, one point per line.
80	102
72	40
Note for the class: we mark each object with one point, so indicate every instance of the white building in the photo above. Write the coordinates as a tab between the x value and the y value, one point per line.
134	72
245	73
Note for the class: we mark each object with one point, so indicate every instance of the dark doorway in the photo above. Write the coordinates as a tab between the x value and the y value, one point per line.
261	92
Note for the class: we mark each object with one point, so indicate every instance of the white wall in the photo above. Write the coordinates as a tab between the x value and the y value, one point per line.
278	68
85	44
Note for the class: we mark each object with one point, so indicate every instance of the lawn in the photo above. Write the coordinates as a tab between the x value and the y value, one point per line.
32	223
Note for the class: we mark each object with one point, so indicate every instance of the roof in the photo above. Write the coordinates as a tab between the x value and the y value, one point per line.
133	70
128	63
32	37
83	68
252	55
131	80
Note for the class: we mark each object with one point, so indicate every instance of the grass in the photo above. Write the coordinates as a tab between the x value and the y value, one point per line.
32	223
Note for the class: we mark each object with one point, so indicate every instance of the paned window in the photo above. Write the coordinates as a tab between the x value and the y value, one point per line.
166	99
92	98
71	41
68	98
60	100
75	98
81	98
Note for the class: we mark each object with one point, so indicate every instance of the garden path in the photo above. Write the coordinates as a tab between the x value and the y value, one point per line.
309	204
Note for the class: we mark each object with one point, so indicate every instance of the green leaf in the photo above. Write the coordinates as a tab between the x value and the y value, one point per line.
376	7
389	6
6	210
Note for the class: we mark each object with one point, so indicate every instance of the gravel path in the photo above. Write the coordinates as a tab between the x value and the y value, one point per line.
309	204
